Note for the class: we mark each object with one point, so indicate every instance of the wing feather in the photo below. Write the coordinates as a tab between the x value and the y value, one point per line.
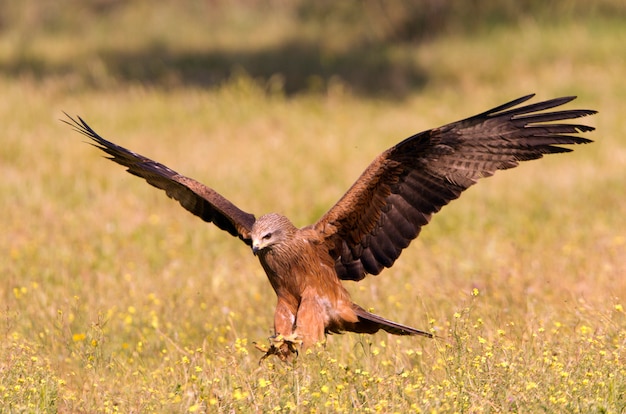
195	197
397	194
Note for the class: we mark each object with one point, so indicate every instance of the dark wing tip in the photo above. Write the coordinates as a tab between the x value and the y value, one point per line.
195	197
79	125
424	172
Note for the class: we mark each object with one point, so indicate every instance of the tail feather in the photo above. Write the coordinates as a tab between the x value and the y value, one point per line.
371	323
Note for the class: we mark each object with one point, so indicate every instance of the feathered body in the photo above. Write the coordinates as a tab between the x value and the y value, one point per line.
311	298
378	217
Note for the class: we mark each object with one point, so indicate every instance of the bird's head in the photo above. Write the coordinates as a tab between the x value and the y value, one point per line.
270	230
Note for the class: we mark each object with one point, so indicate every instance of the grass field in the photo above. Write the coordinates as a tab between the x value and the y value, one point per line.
115	299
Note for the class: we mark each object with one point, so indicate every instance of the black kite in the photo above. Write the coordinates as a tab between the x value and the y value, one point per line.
374	221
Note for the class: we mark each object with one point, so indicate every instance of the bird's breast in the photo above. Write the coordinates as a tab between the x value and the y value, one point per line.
295	267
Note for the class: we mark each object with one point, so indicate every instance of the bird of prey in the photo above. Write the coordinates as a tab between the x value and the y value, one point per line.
367	229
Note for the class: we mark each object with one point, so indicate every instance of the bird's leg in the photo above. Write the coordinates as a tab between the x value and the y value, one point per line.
311	319
285	342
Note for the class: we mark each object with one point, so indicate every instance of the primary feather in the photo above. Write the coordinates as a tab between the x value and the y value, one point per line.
404	186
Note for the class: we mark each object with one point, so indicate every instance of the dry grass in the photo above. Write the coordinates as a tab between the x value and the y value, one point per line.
117	300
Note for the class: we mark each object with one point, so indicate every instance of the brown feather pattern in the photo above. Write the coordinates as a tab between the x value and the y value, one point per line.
195	197
398	193
378	217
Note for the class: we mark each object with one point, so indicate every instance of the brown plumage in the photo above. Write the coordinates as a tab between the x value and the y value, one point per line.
374	221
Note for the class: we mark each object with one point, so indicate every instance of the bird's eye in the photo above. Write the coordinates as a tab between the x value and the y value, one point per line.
267	236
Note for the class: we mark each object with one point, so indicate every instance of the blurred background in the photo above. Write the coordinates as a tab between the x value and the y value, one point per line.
372	46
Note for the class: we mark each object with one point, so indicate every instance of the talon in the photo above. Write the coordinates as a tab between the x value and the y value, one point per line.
272	350
260	347
291	342
293	339
281	346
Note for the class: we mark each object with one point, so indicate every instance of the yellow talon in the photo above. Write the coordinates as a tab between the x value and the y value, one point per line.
281	346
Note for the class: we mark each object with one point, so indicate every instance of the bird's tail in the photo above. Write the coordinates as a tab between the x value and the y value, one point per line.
370	323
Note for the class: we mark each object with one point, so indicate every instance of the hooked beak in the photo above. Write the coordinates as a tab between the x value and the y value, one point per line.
255	249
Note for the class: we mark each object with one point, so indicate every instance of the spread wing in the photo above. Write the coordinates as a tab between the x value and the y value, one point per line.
400	190
197	198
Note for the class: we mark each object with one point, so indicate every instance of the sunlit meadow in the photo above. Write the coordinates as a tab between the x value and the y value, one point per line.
115	299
